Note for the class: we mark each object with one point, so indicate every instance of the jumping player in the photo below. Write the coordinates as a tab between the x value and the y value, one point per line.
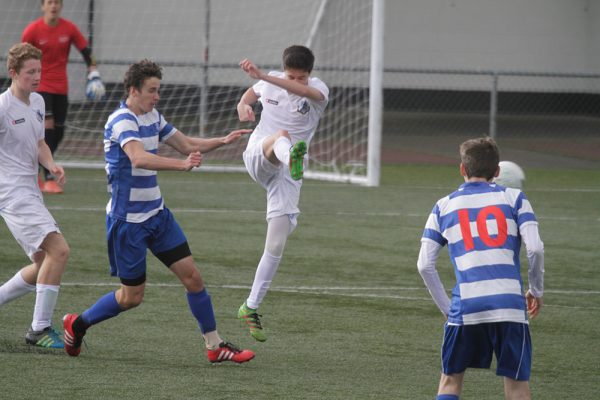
293	102
138	220
483	225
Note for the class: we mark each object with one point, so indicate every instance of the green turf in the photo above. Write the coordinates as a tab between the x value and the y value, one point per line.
348	316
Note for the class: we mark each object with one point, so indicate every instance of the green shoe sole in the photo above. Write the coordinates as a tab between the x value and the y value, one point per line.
297	160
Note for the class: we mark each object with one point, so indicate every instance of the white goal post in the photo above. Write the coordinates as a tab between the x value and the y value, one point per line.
199	44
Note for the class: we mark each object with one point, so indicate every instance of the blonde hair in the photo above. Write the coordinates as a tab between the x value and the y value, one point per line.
21	52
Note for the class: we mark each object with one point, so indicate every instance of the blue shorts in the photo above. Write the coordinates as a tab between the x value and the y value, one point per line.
128	243
472	346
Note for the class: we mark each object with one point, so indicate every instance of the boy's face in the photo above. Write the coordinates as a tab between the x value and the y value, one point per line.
52	9
28	78
297	75
145	99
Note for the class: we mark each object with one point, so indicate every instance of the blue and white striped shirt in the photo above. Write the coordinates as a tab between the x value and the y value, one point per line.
135	195
480	224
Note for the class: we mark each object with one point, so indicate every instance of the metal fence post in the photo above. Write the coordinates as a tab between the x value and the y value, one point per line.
493	105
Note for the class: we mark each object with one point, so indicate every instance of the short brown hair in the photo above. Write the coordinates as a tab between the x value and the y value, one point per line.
480	157
19	53
139	72
298	57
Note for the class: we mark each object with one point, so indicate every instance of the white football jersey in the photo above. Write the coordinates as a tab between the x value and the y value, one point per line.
21	129
283	110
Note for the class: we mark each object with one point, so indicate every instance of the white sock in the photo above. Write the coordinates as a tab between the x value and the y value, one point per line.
277	233
14	288
281	147
45	301
267	267
212	340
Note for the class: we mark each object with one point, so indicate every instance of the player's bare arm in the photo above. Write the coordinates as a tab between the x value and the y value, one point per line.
140	158
296	87
185	144
45	158
244	107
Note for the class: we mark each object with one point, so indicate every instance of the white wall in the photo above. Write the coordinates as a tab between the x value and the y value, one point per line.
533	35
593	36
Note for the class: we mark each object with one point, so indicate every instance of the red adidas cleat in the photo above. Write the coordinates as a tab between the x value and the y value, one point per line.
225	352
72	340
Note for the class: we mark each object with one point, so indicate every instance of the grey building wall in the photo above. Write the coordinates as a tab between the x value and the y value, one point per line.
533	35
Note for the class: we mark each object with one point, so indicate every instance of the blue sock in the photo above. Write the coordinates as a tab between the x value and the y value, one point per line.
202	309
447	397
106	307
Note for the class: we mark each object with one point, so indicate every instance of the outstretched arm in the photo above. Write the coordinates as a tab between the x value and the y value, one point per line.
294	87
186	144
45	158
140	158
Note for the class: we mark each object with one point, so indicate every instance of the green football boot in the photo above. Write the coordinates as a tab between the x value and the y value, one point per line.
252	319
297	153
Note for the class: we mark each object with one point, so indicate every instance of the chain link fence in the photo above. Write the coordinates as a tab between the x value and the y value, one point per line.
545	120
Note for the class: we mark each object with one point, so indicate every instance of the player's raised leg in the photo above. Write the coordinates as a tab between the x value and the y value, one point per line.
278	148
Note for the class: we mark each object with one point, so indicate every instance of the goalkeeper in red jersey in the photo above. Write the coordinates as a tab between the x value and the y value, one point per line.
54	36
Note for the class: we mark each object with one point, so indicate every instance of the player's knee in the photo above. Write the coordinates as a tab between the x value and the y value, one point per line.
59	250
131	300
192	281
283	133
275	247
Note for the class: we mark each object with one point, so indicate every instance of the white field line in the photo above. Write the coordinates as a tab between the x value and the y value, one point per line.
340	213
341	291
309	183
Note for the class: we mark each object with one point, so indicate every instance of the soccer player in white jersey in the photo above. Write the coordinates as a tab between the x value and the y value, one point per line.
483	225
22	149
137	219
292	104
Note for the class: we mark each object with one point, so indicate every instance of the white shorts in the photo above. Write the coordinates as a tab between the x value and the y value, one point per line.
283	193
29	221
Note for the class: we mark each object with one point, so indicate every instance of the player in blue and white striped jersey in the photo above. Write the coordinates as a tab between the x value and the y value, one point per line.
137	219
483	225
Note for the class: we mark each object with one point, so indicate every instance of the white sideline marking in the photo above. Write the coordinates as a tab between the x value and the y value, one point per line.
336	291
315	288
341	213
309	183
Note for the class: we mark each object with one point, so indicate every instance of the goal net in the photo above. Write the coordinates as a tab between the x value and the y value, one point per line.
199	44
